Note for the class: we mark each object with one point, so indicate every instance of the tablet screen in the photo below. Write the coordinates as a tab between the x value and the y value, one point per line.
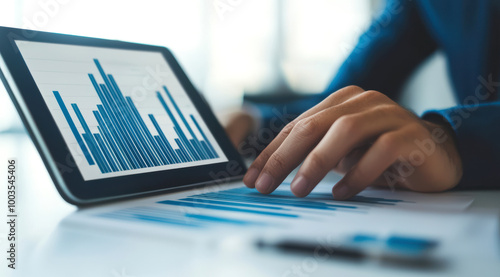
119	111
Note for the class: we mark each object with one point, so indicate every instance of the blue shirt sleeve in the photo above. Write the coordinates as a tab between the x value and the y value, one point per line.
385	55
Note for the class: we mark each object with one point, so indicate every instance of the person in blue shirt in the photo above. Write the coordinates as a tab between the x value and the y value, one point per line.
356	127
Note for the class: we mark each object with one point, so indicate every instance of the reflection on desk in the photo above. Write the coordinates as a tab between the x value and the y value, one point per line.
56	239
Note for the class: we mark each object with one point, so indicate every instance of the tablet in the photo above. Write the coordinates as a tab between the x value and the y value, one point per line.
113	119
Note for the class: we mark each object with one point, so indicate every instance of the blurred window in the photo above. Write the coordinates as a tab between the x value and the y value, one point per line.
227	47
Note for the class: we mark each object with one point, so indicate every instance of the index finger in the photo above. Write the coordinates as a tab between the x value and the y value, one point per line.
334	99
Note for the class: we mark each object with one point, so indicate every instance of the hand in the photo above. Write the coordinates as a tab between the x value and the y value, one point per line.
366	135
238	125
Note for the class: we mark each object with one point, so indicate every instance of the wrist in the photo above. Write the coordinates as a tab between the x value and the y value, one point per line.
444	135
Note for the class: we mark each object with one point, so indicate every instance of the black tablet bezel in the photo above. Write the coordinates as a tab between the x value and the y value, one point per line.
67	177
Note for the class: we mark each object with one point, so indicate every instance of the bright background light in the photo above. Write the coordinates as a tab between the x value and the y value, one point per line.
227	47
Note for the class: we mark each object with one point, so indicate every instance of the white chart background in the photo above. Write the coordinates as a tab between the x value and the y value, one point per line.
139	74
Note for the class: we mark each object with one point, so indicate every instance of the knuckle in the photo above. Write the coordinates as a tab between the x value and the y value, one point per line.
397	110
372	94
375	96
347	123
354	88
333	98
262	159
318	161
307	126
416	130
390	141
389	109
346	91
277	163
287	129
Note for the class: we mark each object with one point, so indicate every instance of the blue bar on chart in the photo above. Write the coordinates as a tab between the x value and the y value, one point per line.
123	141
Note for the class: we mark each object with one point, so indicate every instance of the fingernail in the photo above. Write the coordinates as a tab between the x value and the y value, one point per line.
299	186
264	183
250	177
340	191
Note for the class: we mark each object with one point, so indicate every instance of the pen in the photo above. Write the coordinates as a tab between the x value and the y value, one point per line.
304	247
400	250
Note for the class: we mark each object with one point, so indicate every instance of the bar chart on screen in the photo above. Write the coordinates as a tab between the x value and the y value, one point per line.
123	141
91	97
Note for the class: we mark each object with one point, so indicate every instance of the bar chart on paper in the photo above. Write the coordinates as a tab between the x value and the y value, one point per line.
240	206
246	207
122	113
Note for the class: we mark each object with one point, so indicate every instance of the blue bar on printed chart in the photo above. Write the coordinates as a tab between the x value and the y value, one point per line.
122	141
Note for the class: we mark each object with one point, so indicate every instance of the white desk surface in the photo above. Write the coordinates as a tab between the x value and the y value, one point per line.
48	248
